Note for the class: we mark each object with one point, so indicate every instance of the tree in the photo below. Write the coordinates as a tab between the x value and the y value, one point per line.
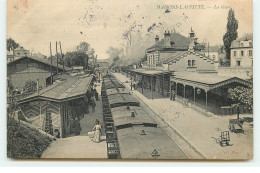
241	95
86	52
231	34
80	57
11	44
30	86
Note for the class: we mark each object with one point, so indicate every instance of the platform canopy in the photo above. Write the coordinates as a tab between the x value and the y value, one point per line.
70	88
207	81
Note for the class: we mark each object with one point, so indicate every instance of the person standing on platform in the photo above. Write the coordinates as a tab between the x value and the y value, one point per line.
93	104
77	127
173	95
96	95
97	128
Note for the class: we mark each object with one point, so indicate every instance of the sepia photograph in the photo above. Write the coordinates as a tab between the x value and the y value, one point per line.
137	80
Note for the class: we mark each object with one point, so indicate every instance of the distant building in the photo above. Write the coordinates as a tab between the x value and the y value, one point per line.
101	68
241	58
32	68
171	43
102	63
21	52
10	56
213	52
241	54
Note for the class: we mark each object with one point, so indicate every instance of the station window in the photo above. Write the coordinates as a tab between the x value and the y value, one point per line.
250	44
250	52
235	53
242	44
238	63
242	53
189	63
193	63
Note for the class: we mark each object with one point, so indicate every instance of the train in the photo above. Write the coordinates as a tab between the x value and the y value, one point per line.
131	132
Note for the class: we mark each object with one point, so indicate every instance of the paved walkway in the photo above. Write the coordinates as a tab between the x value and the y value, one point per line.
200	131
81	146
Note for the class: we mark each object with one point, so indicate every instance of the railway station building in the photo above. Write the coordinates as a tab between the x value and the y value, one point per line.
179	64
65	100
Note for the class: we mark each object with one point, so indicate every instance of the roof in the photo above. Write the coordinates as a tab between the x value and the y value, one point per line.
117	100
178	39
44	61
9	53
212	48
20	48
70	88
180	43
112	91
142	146
122	116
150	72
172	56
246	37
207	80
180	54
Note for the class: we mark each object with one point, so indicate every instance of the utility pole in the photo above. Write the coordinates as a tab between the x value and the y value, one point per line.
51	63
62	58
208	49
57	57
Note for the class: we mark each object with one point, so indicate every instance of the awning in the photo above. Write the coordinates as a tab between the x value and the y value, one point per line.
207	81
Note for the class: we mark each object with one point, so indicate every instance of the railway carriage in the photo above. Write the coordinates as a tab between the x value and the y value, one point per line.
131	133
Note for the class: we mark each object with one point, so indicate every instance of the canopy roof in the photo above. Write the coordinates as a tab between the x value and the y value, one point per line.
207	81
70	88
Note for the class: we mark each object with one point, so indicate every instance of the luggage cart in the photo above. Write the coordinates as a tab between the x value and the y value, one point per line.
224	139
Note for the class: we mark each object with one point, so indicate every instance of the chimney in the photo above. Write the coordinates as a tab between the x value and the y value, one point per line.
156	39
192	34
167	36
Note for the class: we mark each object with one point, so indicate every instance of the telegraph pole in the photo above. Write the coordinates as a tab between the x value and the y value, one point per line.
62	58
57	57
51	63
208	49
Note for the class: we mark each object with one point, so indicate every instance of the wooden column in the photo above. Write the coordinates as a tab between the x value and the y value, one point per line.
206	98
152	85
162	84
40	104
184	94
142	84
61	122
170	88
194	95
176	89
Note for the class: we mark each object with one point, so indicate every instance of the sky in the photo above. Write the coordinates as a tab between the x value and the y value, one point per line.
102	23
